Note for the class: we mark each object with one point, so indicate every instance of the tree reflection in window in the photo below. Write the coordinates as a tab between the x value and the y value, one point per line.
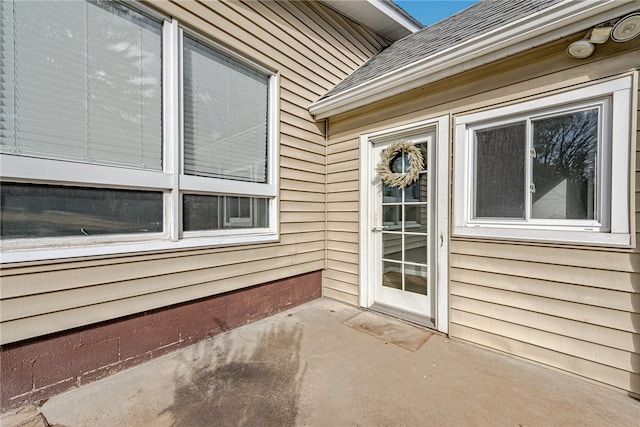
564	165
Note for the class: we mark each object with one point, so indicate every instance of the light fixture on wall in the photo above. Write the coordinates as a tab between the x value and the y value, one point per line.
582	48
626	28
623	30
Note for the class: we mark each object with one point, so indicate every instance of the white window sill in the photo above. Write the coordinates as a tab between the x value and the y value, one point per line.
564	236
92	249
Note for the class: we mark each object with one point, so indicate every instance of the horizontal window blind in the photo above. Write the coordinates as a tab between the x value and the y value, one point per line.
225	116
81	81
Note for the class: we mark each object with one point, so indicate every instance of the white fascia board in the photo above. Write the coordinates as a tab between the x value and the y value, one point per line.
395	15
379	15
561	20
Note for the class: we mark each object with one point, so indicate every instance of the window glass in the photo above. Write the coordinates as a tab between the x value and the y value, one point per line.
416	218
500	171
392	246
202	212
417	191
564	166
400	163
81	81
392	214
225	116
30	210
391	194
81	115
570	158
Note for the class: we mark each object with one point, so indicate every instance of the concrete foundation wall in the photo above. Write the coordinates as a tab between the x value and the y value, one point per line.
40	368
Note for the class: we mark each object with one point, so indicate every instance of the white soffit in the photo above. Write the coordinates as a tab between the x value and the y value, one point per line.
561	20
382	16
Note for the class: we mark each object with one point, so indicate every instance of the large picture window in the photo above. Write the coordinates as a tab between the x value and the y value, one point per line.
547	169
117	126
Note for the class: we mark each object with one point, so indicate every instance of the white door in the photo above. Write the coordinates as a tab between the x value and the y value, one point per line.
404	236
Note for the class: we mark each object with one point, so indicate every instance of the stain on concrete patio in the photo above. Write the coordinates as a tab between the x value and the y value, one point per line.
260	386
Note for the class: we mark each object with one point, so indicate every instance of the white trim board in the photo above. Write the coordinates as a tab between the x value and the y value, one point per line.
442	213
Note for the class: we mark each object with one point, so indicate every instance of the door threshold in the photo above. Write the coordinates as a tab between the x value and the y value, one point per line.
404	315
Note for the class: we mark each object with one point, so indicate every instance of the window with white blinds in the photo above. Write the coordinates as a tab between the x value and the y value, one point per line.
225	116
81	81
92	97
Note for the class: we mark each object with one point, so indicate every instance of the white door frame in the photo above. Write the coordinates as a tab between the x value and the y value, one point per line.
367	175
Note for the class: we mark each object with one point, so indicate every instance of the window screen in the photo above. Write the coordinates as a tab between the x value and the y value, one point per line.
500	171
32	210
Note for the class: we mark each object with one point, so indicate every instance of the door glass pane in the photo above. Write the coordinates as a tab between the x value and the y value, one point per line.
417	191
415	248
391	194
392	274
416	218
392	216
54	211
564	167
415	279
392	246
397	164
499	171
423	150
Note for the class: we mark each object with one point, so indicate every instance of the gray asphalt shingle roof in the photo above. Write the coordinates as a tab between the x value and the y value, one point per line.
477	19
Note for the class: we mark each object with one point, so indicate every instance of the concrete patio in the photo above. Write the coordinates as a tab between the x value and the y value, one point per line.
328	364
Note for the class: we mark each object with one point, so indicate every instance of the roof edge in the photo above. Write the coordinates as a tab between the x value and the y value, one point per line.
383	16
398	14
560	20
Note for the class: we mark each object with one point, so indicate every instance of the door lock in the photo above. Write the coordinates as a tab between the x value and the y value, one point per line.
379	228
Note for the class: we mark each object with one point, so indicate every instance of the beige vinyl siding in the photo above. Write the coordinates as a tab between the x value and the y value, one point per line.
45	297
343	210
575	308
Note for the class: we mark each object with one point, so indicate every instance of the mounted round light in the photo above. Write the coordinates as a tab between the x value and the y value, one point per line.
580	49
626	28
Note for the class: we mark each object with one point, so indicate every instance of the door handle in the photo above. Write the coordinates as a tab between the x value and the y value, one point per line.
379	228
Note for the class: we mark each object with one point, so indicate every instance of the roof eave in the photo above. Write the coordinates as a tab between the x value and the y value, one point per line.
380	15
550	24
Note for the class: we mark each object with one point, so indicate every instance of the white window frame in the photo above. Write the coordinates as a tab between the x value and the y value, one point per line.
224	187
171	180
612	224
